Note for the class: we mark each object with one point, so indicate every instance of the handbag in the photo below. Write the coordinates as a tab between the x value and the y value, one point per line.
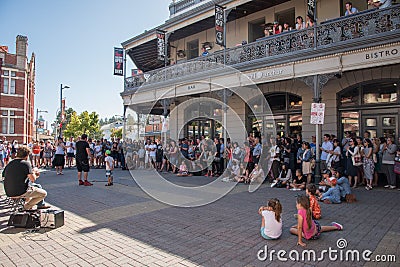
374	158
312	163
357	160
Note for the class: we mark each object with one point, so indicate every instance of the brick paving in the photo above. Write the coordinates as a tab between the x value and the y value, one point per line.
123	226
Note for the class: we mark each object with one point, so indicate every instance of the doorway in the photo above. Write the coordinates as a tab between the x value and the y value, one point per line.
286	16
203	127
256	29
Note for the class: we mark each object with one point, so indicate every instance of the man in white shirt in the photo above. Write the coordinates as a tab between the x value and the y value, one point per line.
153	153
325	148
147	160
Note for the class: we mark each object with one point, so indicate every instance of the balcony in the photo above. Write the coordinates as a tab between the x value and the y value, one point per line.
365	29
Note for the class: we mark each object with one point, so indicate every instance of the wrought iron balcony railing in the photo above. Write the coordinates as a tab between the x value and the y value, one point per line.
335	34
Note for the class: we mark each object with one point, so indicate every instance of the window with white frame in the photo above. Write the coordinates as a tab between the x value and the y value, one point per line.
8	122
9	82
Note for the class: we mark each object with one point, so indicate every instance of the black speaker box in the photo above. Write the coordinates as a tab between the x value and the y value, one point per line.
52	218
24	219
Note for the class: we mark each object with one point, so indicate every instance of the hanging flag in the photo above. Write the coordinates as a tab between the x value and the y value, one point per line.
311	9
118	61
219	25
160	45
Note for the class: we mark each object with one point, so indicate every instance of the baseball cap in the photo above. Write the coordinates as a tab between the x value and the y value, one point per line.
108	152
332	180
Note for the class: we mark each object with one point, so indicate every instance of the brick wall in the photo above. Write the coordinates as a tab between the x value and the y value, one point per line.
25	93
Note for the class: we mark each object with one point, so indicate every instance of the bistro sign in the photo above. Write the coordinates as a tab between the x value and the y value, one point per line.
382	54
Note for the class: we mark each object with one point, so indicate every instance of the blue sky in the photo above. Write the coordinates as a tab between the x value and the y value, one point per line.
73	42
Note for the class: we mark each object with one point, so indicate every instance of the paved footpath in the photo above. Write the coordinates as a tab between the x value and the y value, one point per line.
123	226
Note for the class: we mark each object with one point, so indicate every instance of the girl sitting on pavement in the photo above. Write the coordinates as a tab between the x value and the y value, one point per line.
284	177
332	196
307	227
311	192
271	221
299	183
183	170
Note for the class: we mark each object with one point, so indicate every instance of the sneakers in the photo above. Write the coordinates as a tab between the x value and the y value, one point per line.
81	182
392	187
295	189
87	183
337	225
387	186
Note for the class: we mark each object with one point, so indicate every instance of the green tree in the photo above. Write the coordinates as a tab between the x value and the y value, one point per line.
68	114
116	133
85	122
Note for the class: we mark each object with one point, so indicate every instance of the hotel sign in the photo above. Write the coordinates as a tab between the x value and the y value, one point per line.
265	74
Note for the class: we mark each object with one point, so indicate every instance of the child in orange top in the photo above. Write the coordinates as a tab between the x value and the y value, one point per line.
311	191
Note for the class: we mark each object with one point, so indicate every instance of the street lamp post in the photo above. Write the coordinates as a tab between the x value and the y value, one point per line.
37	120
61	107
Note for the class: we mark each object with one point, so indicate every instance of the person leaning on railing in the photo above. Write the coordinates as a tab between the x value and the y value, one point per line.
350	10
380	3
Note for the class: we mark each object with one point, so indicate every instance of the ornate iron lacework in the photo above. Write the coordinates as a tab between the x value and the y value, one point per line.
361	26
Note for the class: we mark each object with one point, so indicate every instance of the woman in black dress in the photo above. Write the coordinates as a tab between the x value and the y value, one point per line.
352	171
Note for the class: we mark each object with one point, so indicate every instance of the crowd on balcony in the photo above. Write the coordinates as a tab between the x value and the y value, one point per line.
300	23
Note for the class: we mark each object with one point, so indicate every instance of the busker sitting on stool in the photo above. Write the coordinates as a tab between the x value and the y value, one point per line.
17	175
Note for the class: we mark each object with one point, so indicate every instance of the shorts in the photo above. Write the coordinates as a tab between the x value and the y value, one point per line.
152	158
141	159
316	236
70	155
265	236
108	173
82	165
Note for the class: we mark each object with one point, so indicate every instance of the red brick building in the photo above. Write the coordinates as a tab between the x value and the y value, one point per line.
17	92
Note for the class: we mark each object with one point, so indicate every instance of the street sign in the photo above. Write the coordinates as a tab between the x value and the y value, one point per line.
317	113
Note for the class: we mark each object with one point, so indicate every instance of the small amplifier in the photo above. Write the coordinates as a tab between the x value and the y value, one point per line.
52	218
24	219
